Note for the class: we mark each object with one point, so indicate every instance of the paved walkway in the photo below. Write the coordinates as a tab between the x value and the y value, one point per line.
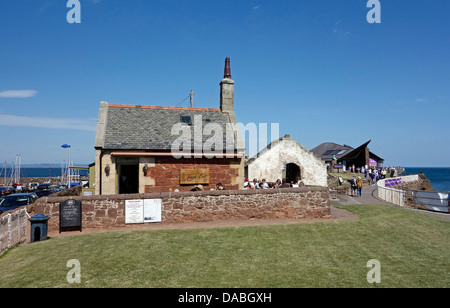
368	198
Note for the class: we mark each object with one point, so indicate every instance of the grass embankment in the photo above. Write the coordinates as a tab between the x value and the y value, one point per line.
413	249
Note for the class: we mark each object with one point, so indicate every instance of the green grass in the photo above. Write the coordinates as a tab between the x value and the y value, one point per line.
413	249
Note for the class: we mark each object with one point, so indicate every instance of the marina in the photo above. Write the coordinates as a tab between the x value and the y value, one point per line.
15	178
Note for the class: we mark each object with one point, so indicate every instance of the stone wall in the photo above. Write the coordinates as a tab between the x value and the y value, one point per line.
203	206
163	173
13	229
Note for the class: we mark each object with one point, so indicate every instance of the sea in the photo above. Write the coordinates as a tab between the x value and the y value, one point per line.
38	172
439	177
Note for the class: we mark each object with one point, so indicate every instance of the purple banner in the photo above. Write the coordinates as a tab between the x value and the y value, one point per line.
392	182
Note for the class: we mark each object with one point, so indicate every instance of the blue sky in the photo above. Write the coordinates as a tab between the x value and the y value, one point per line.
317	67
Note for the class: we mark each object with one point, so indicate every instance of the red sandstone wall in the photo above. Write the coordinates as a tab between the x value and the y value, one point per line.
167	173
104	211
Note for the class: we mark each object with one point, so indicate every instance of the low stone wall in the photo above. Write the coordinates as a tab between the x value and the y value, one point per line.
203	206
13	229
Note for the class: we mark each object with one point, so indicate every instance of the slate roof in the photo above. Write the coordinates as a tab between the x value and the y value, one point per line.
332	148
130	127
325	151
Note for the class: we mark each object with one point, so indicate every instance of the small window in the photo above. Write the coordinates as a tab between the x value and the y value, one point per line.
186	120
332	152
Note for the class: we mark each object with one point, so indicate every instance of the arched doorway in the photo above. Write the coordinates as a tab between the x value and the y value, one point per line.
292	172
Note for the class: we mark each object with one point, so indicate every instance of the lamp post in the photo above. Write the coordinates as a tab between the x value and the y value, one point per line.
66	146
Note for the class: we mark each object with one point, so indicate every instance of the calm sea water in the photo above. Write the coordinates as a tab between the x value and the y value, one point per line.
439	177
38	172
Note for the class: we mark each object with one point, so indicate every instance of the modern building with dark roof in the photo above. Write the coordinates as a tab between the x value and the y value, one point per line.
332	153
143	149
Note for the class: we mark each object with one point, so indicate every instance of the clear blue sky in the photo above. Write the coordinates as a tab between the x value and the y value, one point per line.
317	67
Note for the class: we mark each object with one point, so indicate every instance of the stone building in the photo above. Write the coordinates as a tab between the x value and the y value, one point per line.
148	149
286	160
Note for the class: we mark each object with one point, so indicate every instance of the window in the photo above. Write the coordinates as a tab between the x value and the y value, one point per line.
332	152
186	120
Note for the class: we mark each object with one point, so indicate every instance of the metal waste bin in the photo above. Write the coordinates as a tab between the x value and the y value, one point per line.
39	227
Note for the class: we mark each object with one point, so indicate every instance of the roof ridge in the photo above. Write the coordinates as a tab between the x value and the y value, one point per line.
161	107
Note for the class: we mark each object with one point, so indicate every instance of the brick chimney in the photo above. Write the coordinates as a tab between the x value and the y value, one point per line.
227	89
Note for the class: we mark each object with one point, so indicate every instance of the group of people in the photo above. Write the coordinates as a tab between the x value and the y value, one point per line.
255	184
219	186
356	185
373	173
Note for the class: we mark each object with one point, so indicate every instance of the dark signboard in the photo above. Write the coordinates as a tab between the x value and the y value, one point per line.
70	215
338	166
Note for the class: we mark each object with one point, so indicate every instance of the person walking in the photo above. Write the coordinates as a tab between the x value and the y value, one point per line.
359	186
353	186
372	177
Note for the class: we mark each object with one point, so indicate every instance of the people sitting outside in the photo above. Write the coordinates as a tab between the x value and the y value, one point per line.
299	182
219	186
197	188
263	184
246	184
277	184
254	184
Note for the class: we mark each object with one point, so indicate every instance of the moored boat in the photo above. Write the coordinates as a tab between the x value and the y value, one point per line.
433	201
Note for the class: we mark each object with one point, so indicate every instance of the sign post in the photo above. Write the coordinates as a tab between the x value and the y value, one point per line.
70	216
152	210
134	211
143	211
194	176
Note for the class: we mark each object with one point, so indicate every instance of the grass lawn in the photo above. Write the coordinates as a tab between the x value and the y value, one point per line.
413	249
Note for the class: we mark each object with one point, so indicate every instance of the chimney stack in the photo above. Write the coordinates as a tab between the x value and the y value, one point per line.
227	89
227	72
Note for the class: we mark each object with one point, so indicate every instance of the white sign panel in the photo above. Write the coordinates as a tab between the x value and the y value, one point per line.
152	210
134	211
